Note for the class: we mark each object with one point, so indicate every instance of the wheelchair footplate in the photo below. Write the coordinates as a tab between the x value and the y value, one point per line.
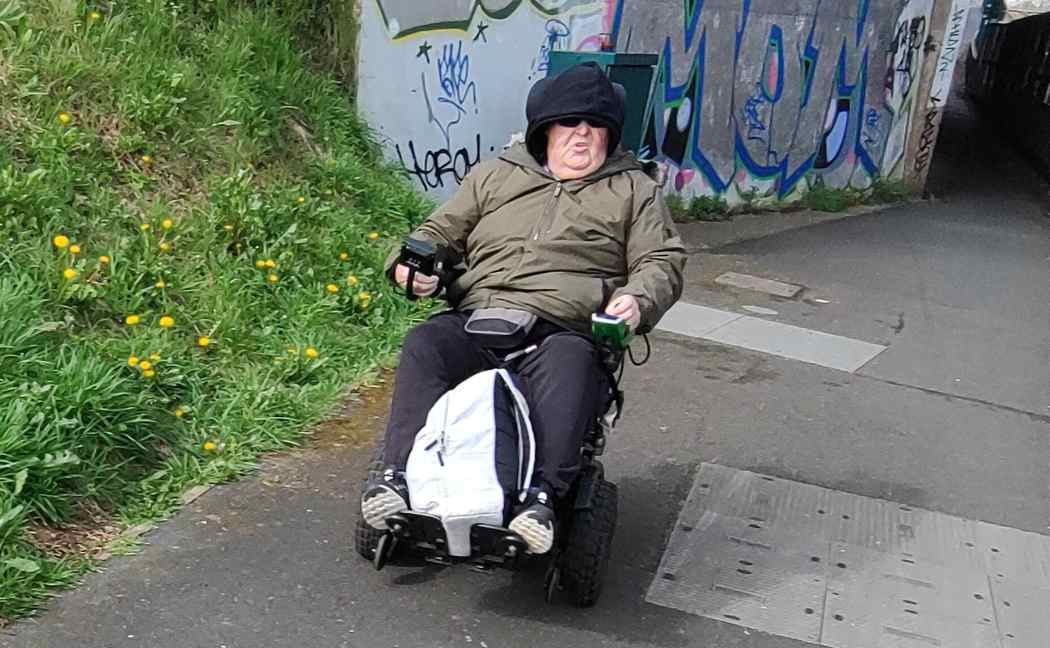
494	546
491	546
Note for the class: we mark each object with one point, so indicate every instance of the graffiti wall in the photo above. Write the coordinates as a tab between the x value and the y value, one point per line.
748	98
444	82
963	17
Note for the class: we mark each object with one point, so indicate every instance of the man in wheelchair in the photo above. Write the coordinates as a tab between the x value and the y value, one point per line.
556	229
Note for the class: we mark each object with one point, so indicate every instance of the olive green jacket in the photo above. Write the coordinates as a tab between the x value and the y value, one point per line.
560	250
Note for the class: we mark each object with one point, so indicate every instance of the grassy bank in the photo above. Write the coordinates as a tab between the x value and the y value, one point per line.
192	224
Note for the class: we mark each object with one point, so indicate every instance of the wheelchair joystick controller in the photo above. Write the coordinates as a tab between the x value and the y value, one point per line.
420	257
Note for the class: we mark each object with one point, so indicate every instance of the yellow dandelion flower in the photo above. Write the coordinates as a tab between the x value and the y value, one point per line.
61	241
332	288
260	264
161	284
167	223
344	256
210	446
149	373
228	227
301	199
351	280
144	227
166	321
364	295
203	341
65	118
165	246
311	352
132	320
179	412
272	278
374	236
145	365
133	361
74	249
147	159
155	357
94	15
70	274
270	263
103	259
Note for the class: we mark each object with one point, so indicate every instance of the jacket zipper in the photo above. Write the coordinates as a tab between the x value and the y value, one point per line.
544	224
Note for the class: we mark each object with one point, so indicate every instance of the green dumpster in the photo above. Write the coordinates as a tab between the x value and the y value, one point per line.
633	71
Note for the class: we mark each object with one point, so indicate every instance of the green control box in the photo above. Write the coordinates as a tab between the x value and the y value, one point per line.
610	331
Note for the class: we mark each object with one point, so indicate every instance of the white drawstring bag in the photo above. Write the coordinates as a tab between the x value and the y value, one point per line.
474	456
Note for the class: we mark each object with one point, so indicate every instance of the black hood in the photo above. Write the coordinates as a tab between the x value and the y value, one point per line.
581	91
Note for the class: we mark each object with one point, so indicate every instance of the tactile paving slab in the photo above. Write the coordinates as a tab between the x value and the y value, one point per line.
847	571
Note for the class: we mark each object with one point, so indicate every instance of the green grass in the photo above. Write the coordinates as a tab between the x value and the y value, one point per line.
881	192
818	198
187	142
889	191
698	208
828	199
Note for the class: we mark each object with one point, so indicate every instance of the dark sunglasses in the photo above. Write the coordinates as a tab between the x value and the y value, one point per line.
573	122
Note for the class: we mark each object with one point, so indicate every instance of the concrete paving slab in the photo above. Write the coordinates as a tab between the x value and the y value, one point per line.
1021	612
834	568
695	321
814	347
1008	556
876	598
759	310
759	284
742	580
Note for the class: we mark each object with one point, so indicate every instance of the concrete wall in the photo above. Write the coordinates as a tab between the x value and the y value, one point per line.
766	96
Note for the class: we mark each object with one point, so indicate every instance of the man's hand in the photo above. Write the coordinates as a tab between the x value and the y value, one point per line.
626	307
422	286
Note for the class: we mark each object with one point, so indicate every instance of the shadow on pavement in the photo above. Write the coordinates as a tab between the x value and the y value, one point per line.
648	510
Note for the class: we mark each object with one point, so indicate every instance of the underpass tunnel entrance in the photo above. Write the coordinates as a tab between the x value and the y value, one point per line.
994	140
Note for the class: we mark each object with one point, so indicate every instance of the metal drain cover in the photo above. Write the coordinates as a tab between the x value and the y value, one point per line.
847	571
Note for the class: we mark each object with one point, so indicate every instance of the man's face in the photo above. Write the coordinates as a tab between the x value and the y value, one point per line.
575	148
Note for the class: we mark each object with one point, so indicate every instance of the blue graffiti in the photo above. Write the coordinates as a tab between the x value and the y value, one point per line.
458	91
872	127
756	125
555	34
808	61
454	74
862	18
785	157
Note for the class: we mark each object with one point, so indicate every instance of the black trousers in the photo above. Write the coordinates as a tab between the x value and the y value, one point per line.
564	384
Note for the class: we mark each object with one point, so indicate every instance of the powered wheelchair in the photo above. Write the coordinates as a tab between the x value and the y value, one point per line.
586	518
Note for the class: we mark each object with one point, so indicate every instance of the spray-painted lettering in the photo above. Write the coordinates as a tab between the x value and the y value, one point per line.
433	168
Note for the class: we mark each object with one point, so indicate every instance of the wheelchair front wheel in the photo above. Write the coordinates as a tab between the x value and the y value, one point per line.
366	539
585	559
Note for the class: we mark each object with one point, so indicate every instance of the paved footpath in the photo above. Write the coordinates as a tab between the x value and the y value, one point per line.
938	439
